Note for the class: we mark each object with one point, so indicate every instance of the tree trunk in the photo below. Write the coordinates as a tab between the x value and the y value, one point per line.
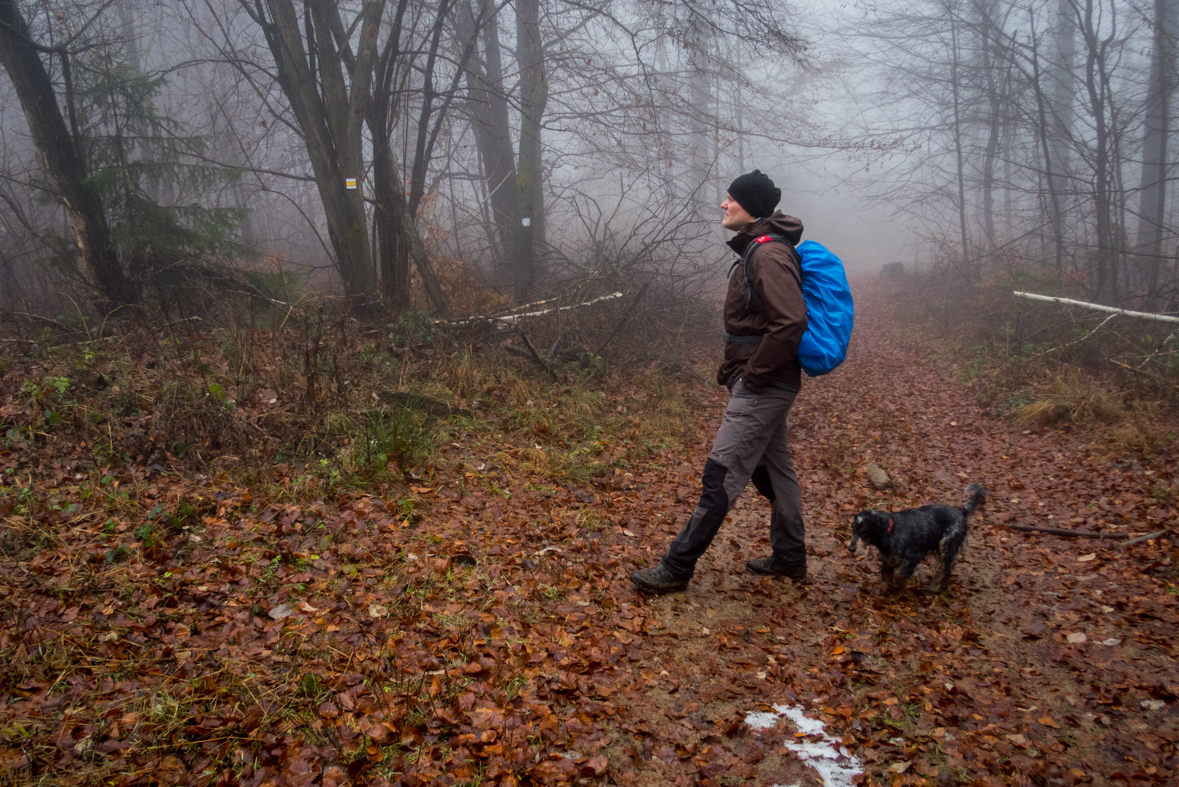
489	118
1056	110
1062	82
1102	264
1044	134
1153	194
955	55
696	43
990	65
59	159
330	112
534	97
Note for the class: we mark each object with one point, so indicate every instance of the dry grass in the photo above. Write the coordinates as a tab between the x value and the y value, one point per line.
1074	398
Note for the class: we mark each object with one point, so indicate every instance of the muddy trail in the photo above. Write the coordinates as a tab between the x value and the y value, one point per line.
477	626
1049	660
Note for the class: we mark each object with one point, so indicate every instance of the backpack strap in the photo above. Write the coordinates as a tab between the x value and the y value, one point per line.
755	244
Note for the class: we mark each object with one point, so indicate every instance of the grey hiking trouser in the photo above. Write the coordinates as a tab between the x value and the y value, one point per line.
750	444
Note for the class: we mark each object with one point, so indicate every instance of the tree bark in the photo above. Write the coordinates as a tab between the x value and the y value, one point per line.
330	112
960	164
489	117
1153	194
1045	139
534	96
1096	84
991	57
59	160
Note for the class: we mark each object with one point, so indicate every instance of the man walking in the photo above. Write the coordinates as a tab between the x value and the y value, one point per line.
764	318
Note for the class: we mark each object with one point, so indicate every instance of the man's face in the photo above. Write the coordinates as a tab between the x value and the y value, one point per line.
736	217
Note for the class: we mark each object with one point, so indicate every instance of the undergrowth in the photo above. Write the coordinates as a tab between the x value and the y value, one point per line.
322	401
1045	365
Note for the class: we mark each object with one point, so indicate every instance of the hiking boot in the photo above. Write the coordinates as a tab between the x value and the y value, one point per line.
772	567
658	579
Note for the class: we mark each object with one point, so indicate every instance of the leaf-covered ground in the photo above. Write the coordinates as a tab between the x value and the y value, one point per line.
478	627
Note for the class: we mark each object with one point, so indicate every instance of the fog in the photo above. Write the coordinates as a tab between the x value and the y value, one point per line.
381	150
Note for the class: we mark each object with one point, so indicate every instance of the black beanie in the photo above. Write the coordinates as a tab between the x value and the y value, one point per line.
756	193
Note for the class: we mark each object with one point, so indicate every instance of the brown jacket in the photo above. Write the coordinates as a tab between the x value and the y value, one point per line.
777	313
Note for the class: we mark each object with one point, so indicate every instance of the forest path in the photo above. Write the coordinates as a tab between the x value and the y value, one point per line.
1047	659
478	626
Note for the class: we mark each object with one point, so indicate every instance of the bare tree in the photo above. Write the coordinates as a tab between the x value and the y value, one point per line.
58	152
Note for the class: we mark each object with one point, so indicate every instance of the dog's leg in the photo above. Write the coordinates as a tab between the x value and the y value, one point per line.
949	554
905	571
888	567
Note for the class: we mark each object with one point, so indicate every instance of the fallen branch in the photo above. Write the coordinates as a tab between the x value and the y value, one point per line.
1096	306
625	318
1057	531
513	319
1143	372
1083	338
536	356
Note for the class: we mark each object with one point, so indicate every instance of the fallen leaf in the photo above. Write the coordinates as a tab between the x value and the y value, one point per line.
281	611
595	766
1087	558
1076	638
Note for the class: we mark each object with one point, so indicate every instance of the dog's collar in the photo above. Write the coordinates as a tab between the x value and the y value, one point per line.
890	524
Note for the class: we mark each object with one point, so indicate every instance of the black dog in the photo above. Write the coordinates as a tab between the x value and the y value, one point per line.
904	538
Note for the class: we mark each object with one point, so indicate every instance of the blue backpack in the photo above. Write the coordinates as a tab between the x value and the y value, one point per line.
829	308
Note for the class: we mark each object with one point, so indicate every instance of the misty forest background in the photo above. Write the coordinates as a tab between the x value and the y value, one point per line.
188	152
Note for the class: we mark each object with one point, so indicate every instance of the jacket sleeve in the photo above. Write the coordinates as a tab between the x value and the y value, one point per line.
776	274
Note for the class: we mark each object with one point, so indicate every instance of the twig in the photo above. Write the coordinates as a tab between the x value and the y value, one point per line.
1146	537
1083	338
1138	371
536	356
625	318
514	350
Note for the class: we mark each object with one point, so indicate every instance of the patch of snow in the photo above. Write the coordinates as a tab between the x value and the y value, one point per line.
835	764
762	721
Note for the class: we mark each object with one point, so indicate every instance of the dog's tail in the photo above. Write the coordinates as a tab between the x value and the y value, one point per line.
979	493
